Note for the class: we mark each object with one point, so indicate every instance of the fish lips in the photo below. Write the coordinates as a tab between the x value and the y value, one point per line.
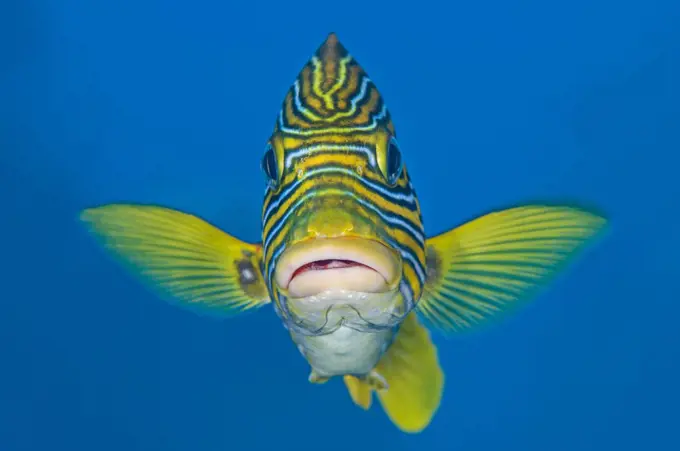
352	264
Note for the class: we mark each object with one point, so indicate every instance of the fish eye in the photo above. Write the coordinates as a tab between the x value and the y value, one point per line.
270	166
393	166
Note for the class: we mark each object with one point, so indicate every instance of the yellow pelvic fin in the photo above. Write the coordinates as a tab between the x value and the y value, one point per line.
494	263
182	257
415	381
360	391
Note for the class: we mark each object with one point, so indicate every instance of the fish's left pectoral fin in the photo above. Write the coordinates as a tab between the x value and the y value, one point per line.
408	380
182	257
495	263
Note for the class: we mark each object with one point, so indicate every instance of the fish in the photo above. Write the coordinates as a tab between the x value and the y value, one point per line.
344	259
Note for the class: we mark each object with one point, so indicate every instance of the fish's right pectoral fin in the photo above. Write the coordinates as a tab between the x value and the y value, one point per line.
413	378
182	257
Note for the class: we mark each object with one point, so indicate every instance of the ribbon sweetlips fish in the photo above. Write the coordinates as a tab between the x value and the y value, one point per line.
344	259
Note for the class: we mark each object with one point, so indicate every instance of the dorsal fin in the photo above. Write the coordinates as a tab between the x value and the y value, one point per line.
330	53
332	93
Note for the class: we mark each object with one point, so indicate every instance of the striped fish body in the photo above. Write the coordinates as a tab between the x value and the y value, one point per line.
335	171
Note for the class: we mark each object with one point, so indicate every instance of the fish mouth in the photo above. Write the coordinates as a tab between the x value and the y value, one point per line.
351	264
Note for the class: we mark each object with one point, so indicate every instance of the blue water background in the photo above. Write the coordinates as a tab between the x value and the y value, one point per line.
496	103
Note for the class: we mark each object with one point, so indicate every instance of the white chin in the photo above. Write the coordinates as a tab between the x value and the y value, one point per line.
351	278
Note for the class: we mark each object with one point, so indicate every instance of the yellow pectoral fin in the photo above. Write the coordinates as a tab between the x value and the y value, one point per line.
182	257
415	381
496	262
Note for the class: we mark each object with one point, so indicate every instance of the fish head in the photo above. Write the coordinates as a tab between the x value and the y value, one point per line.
343	237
